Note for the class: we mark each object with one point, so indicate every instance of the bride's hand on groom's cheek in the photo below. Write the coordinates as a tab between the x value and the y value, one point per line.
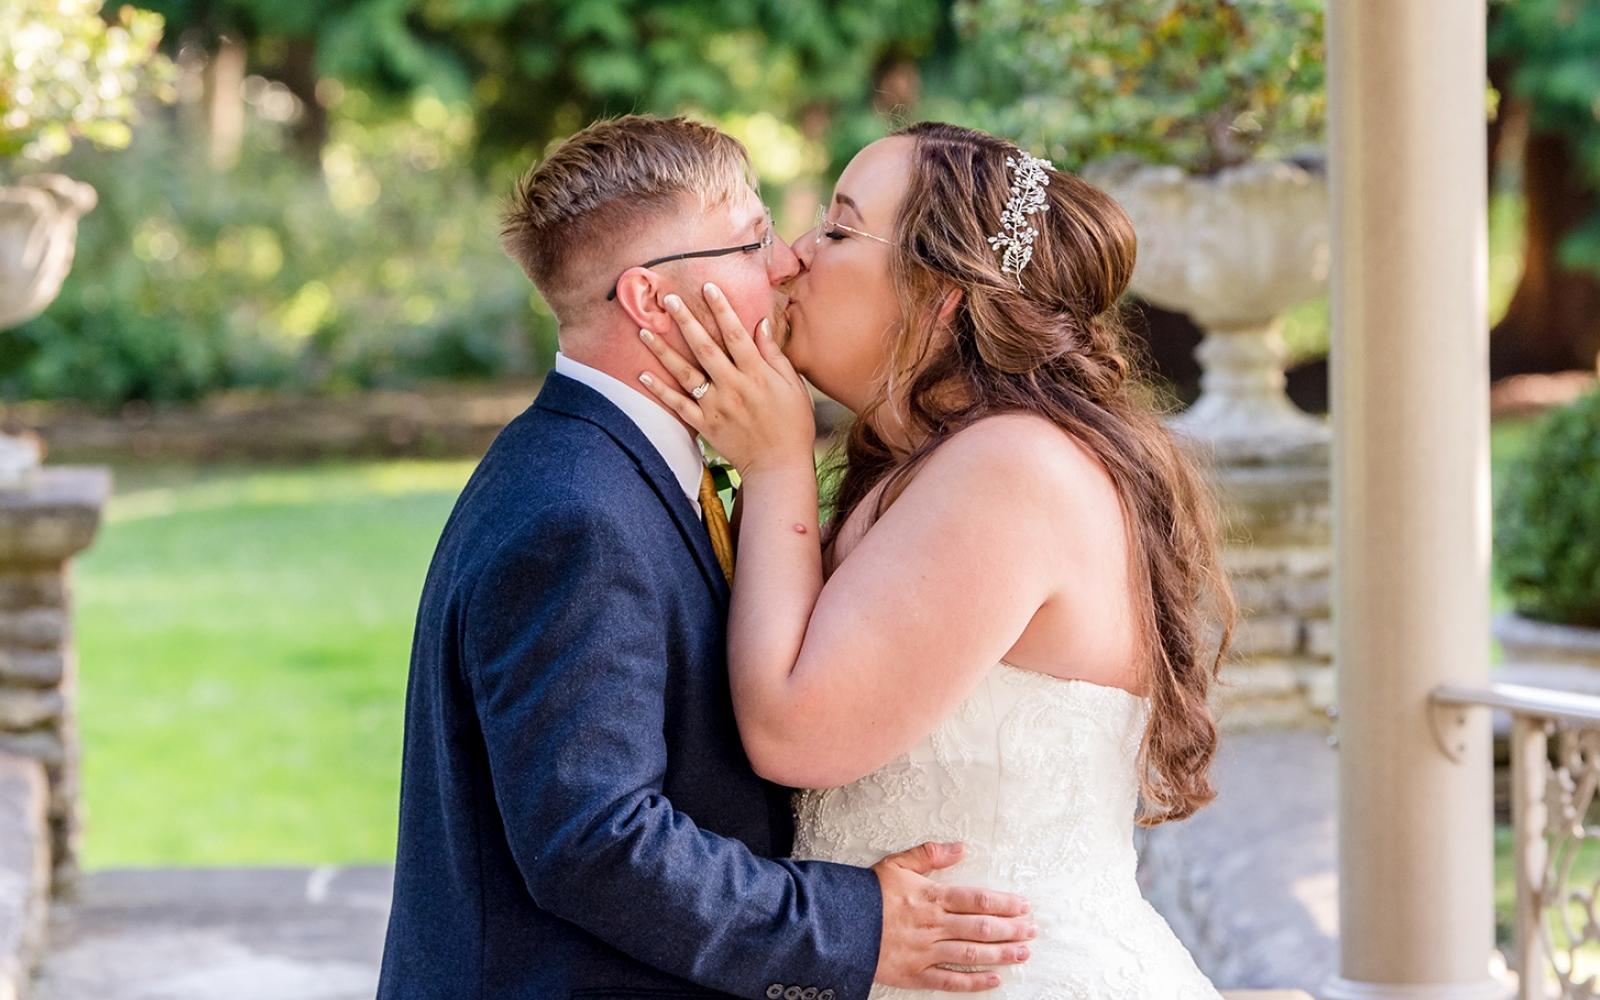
742	394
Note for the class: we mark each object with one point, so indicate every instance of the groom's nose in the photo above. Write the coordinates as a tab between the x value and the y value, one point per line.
785	264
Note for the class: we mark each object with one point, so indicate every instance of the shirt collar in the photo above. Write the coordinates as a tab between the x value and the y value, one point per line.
676	443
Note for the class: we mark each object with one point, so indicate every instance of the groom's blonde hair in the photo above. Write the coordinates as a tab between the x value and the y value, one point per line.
590	195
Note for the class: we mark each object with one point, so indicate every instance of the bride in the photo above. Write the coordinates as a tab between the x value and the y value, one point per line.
1006	632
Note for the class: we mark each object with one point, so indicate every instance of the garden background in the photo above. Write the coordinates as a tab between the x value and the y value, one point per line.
302	213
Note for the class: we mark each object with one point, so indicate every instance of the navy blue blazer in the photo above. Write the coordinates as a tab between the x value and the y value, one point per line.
577	815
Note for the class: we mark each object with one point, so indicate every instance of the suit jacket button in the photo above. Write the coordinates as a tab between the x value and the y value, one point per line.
809	993
825	995
792	993
775	991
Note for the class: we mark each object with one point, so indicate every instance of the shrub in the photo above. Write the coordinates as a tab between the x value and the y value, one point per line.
1194	82
382	268
69	74
1547	519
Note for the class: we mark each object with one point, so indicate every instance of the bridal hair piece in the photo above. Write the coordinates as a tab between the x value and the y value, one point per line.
1016	235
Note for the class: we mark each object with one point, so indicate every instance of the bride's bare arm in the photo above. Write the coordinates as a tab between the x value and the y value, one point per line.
933	594
830	682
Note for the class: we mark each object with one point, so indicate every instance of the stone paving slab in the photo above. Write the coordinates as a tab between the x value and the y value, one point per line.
208	934
1250	883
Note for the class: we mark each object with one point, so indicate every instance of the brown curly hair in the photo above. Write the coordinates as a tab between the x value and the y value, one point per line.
1057	347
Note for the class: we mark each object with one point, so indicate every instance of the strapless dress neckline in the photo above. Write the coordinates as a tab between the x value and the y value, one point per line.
1074	680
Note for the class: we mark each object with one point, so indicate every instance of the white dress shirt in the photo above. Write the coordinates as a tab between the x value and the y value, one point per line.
675	442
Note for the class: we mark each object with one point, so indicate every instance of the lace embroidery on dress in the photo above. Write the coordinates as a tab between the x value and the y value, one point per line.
1037	776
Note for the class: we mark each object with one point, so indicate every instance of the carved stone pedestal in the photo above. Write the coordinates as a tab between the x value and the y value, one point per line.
1279	556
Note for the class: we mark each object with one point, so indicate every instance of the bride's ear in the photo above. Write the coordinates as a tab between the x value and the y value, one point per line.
952	299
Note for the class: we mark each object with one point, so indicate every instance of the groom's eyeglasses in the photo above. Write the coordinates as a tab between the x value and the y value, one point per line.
764	244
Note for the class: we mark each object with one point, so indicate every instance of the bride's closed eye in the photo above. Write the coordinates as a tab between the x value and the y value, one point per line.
827	227
839	231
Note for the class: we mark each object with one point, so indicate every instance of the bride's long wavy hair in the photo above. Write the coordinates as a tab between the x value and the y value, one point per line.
1055	346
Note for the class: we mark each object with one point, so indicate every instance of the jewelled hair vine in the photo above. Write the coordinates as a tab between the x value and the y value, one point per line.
1016	235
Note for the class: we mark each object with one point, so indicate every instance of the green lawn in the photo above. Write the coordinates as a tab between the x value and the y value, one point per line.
243	636
1585	872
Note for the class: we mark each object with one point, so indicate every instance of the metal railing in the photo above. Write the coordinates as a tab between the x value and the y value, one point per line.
1550	804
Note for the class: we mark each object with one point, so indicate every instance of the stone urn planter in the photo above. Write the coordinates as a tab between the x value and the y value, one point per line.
1234	250
38	234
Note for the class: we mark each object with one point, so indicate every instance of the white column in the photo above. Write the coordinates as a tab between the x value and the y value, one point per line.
1411	494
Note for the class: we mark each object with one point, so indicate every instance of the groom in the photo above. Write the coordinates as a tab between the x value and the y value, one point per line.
577	816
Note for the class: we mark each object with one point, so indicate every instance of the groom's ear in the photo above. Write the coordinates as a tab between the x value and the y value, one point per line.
639	293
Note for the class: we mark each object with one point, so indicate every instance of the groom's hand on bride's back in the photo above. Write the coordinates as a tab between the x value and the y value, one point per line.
927	924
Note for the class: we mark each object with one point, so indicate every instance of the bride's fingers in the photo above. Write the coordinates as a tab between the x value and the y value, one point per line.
768	345
676	401
676	364
736	338
713	359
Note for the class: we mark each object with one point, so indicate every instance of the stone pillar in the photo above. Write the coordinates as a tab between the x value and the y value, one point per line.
44	523
1411	495
1279	556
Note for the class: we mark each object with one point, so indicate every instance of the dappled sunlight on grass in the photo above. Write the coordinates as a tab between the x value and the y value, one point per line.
174	490
244	636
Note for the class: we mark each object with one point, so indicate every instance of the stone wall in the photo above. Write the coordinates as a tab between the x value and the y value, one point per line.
43	524
1279	555
24	871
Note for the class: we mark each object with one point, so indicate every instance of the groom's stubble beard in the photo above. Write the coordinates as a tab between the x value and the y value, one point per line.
780	316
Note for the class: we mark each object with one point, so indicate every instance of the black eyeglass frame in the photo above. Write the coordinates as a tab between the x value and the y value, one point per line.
761	244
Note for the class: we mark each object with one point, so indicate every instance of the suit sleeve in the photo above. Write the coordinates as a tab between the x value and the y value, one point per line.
565	652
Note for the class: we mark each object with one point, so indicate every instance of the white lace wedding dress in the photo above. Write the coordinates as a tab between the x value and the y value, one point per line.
1036	774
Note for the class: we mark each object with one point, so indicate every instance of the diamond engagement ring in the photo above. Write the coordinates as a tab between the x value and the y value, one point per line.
700	390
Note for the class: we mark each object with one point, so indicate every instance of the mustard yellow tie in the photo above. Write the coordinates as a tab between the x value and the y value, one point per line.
717	523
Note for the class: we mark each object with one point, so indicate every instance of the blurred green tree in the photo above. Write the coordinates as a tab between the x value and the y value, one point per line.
370	258
535	70
69	74
383	270
1543	61
1198	83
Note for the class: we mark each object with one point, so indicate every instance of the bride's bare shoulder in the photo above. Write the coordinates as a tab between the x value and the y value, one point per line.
1027	450
1024	470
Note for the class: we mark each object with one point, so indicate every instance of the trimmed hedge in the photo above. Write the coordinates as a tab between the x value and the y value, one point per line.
1547	519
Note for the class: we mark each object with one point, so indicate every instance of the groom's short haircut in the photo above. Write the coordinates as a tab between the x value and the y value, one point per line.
606	181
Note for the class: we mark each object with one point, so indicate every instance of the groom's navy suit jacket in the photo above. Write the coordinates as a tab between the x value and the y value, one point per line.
577	815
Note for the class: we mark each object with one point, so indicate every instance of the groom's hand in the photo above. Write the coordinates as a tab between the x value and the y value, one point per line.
927	924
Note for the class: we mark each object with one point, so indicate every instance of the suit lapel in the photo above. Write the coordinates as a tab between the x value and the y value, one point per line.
572	398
